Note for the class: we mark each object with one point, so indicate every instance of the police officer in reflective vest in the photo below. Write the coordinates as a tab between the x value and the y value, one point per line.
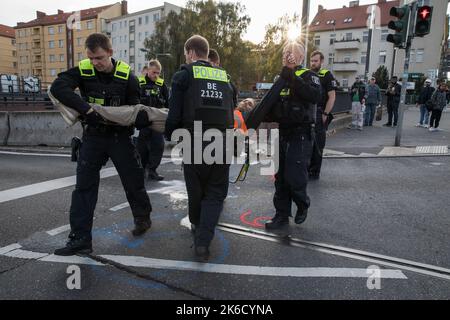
150	144
295	112
201	92
324	108
105	81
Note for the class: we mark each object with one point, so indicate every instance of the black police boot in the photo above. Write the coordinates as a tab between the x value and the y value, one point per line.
153	175
75	246
277	222
202	253
301	215
141	226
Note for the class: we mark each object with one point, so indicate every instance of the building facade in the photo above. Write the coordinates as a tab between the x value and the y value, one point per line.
351	50
8	51
51	44
129	32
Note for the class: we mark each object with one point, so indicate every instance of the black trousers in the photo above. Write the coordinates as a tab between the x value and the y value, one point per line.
318	146
291	179
95	151
435	118
207	188
150	145
392	109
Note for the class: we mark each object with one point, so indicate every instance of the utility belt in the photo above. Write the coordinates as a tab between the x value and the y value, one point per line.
107	130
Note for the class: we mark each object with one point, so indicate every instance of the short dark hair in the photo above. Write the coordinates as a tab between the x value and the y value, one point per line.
318	52
98	40
214	56
199	45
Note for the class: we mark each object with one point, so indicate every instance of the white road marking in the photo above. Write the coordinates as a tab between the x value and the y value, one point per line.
42	187
9	248
176	189
59	230
36	154
149	263
185	222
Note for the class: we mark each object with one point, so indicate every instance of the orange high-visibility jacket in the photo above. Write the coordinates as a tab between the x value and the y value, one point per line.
239	122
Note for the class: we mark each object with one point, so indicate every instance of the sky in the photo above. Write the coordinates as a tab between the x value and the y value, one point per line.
262	12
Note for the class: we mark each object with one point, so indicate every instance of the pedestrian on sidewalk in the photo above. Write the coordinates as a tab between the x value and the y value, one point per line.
393	101
373	99
425	96
439	101
357	94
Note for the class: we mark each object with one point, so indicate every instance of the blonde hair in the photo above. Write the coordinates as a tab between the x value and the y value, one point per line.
155	63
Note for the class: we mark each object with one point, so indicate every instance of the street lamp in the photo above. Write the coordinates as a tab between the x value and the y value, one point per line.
149	53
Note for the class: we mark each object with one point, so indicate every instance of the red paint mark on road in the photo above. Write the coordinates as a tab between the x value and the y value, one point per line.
256	222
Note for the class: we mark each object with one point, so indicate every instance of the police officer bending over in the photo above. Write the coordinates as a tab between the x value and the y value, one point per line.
201	92
107	82
295	112
150	144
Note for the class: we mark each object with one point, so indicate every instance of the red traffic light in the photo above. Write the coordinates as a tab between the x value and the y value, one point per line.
424	12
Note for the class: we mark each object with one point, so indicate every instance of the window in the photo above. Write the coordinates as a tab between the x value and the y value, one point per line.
347	57
140	36
125	24
79	41
146	34
384	34
317	23
120	39
131	59
132	29
121	25
132	44
345	83
80	56
114	41
60	29
412	56
90	25
14	53
363	58
156	17
348	20
317	40
53	72
14	65
366	36
125	39
114	26
348	36
52	58
332	38
382	57
330	58
51	30
147	19
51	44
419	55
61	43
140	66
140	21
61	58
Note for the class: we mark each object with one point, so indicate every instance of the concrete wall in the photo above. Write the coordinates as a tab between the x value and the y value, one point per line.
36	128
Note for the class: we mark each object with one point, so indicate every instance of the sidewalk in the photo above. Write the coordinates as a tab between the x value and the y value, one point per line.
379	140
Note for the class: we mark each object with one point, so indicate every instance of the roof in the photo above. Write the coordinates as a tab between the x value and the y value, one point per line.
6	31
62	17
350	18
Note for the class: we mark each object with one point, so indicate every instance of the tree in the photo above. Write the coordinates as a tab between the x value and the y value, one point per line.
222	24
382	77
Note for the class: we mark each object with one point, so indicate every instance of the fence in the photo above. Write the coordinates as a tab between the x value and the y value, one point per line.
20	91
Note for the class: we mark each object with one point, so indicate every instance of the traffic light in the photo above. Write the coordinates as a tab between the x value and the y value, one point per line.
423	21
400	26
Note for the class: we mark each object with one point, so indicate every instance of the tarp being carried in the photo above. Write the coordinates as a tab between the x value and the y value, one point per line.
123	116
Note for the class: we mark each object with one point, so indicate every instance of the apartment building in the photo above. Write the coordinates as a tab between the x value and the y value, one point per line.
8	52
129	32
343	36
51	44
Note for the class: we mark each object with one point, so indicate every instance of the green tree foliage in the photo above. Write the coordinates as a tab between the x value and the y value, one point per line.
382	77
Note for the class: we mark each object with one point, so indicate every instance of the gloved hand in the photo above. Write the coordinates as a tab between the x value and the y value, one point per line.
93	118
142	120
287	74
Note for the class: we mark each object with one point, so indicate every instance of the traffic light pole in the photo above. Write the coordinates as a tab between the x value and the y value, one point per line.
402	106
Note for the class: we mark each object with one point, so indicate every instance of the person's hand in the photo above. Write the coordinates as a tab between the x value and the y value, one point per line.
324	119
289	60
142	120
93	118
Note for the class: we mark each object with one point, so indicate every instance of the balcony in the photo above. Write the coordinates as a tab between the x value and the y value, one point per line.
352	44
346	66
36	37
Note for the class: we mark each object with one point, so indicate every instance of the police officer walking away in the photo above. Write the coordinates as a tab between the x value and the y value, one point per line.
324	108
150	144
295	112
107	82
214	59
201	92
